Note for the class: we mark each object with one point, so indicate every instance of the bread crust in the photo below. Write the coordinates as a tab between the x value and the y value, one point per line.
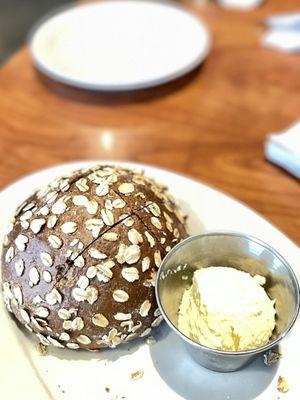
79	260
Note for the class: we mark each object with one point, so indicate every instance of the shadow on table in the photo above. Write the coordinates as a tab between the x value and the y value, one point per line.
121	97
193	382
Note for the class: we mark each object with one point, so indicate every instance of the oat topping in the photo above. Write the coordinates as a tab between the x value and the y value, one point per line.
29	206
108	217
63	313
52	220
126	188
122	317
9	254
80	200
18	295
44	211
25	224
94	253
55	241
118	203
120	296
132	254
43	339
99	235
42	312
90	294
121	252
92	207
53	297
19	267
60	206
127	221
150	239
55	342
77	324
157	321
67	325
83	282
72	346
157	312
100	320
94	225
113	338
157	258
131	274
102	190
134	236
146	332
21	242
34	276
108	204
102	271
69	227
37	299
145	264
82	185
83	339
36	224
25	316
156	222
110	236
64	336
79	262
145	308
46	259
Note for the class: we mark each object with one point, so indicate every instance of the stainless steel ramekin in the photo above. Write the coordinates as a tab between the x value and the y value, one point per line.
231	250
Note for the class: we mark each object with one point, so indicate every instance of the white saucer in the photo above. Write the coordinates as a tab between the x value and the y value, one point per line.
119	45
169	373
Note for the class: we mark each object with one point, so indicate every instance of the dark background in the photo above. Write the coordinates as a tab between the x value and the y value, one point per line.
16	19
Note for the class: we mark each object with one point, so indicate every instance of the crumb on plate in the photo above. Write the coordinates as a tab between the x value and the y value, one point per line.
41	349
137	375
150	340
282	385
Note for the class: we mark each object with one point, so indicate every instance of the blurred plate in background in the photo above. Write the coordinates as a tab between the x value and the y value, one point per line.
119	45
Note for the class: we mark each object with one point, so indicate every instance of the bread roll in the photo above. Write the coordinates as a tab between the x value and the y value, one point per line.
80	258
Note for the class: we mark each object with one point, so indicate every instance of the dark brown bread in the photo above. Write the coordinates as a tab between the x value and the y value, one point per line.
80	258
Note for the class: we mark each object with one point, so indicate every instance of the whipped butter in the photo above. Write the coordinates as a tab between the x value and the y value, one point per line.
227	309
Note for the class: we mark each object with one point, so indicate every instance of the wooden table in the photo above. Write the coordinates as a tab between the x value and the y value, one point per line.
210	124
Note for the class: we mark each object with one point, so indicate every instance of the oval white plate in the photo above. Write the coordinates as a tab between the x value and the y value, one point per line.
119	45
168	371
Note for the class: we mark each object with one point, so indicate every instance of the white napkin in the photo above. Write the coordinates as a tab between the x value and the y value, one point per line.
283	33
240	4
283	149
284	21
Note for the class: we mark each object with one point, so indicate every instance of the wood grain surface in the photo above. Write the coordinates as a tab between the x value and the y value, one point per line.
210	125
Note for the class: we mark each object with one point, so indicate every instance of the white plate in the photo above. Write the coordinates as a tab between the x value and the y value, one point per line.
169	373
119	45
